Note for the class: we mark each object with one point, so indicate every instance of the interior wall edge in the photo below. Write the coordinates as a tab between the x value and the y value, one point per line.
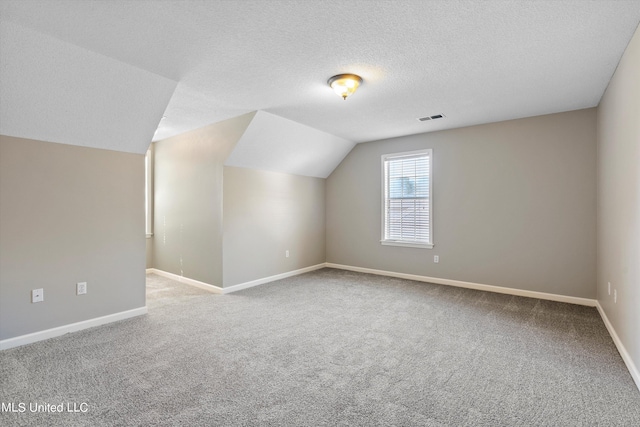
470	285
239	286
626	357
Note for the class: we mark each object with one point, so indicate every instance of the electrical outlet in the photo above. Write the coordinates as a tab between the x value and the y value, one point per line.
37	295
81	288
436	258
615	296
286	253
609	287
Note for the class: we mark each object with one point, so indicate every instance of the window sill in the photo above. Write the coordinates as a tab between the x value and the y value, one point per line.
406	244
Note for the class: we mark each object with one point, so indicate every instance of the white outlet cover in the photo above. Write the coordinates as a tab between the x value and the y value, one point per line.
37	295
436	258
615	296
81	288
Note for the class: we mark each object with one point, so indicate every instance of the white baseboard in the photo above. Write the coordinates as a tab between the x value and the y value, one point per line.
257	282
633	370
73	327
234	288
470	285
187	281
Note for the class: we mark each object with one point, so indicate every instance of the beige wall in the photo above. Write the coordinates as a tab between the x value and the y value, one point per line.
68	214
514	205
149	240
619	200
188	170
266	214
149	253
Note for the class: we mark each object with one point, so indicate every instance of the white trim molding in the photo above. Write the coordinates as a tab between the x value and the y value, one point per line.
633	370
425	172
234	288
470	285
257	282
72	327
187	281
406	244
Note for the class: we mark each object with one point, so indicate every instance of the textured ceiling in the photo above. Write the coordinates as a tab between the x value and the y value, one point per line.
274	143
60	92
473	61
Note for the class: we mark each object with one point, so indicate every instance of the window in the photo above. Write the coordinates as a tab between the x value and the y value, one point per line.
148	193
406	199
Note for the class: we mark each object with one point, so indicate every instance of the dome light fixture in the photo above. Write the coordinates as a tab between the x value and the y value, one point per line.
345	84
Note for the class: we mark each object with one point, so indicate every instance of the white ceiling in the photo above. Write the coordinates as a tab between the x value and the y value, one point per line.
321	154
475	61
60	92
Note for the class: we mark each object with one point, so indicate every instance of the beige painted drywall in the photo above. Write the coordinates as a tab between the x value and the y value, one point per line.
149	239
618	137
188	168
68	214
513	205
149	253
265	214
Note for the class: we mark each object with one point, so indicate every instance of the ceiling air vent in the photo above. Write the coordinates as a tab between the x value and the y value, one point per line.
434	117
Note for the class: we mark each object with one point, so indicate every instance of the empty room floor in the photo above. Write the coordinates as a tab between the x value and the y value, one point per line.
330	348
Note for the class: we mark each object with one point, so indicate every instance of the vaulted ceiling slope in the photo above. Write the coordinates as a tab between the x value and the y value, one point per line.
56	91
473	61
273	143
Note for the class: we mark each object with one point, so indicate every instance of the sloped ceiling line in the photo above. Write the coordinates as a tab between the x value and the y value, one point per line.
277	144
473	61
58	92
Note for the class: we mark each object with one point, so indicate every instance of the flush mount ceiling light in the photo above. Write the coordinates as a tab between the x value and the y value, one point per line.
344	84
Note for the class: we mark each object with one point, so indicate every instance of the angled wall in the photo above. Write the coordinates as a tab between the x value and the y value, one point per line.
619	202
72	207
58	92
232	224
188	171
68	214
276	144
513	205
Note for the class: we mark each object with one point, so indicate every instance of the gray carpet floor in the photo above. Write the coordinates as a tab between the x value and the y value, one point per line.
330	348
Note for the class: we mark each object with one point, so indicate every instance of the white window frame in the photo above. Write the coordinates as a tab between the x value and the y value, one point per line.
406	243
148	193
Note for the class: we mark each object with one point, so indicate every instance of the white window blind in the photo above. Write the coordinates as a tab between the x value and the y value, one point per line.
407	199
